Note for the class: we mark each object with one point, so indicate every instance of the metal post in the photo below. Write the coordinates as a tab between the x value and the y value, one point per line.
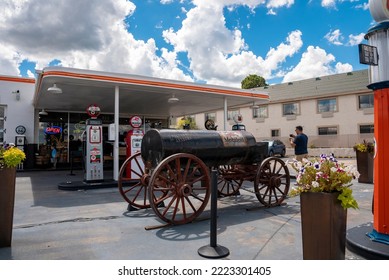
116	143
225	114
213	251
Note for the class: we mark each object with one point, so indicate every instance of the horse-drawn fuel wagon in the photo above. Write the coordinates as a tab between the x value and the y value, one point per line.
171	174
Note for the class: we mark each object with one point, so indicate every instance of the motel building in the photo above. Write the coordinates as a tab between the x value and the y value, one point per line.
51	110
336	111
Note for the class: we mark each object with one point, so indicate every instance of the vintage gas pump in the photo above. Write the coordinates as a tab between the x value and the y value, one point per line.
376	54
133	145
375	244
94	146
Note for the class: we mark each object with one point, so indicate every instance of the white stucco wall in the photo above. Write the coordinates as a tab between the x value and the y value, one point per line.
17	112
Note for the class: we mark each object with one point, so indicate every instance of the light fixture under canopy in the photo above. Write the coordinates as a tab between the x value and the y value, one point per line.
173	99
43	113
54	89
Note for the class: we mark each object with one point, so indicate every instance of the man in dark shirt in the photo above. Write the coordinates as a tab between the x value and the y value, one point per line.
300	143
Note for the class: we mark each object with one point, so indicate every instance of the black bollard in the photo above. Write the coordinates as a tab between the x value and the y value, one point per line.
213	250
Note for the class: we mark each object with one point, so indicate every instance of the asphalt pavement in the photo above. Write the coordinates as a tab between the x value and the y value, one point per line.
94	224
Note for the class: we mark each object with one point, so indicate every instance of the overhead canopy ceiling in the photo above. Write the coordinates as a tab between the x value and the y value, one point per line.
138	95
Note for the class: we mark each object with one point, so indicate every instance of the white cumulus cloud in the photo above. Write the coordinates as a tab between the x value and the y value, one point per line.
226	60
334	37
328	3
81	34
93	35
356	39
315	62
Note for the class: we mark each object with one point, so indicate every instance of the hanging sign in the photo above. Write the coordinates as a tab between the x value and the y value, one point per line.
368	54
93	111
53	130
136	121
20	129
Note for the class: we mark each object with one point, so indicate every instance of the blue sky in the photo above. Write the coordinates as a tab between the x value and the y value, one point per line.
204	41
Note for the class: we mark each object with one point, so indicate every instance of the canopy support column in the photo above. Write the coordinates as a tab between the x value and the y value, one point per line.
116	143
225	114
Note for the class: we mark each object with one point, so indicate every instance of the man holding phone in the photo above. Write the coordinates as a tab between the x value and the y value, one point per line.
300	143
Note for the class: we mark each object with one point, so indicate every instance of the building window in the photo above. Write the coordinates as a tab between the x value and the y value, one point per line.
326	105
210	116
260	112
328	130
2	120
290	109
231	114
366	101
366	128
275	133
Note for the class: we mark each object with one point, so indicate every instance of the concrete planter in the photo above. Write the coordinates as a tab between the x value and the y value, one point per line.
7	201
323	224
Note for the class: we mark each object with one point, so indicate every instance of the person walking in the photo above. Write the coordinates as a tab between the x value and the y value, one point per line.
300	143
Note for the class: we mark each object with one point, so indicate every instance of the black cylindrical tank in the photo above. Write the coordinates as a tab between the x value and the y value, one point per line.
214	148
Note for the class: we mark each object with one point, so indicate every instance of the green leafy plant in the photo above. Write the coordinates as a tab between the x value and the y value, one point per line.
325	174
186	122
11	157
364	147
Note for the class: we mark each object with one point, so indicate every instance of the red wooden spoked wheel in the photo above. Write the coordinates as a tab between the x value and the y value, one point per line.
182	183
228	183
272	182
133	182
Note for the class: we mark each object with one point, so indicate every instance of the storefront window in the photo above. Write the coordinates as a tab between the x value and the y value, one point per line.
65	131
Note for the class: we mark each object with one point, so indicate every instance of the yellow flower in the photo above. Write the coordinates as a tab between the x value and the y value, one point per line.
11	157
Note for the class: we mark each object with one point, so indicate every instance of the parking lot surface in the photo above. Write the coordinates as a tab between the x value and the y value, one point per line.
94	224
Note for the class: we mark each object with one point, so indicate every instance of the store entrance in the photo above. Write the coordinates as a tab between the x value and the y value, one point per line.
61	141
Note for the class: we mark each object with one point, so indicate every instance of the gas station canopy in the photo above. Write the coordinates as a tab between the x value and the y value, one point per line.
138	95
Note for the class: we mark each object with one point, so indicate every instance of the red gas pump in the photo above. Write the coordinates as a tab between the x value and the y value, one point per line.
133	145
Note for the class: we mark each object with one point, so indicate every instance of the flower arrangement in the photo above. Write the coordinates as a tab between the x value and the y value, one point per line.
364	147
325	174
11	157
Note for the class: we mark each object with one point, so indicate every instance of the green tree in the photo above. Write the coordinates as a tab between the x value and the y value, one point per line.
253	81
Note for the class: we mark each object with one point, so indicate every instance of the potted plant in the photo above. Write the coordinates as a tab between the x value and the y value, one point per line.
325	195
10	158
365	161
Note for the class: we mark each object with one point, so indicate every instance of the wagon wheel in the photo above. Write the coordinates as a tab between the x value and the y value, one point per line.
133	187
272	182
228	182
182	183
